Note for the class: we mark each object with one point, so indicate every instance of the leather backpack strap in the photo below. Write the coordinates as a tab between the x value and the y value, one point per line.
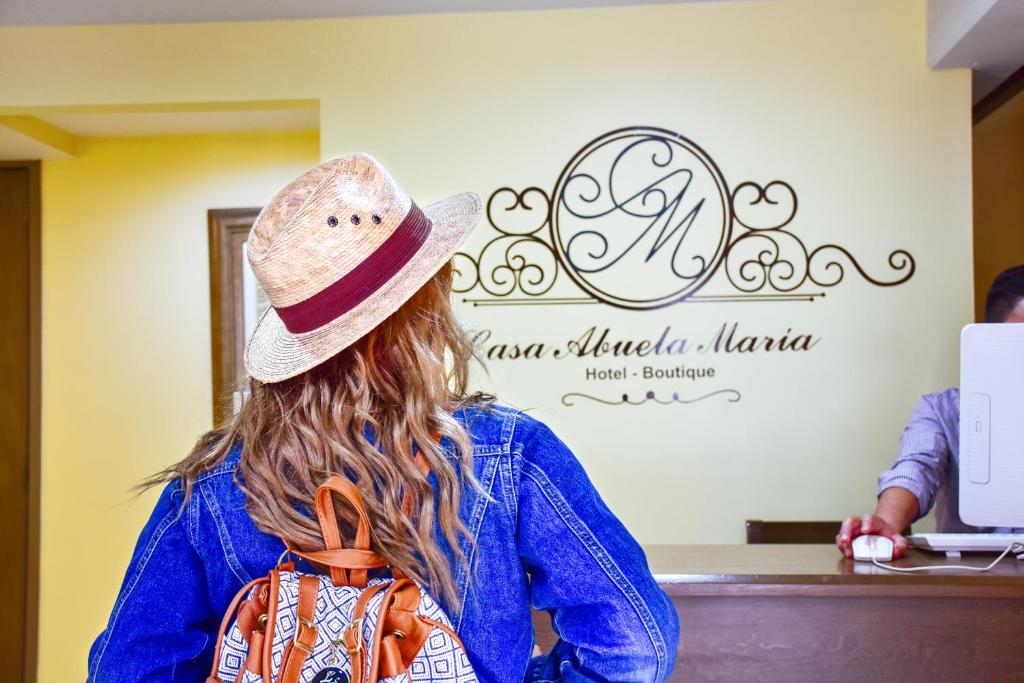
268	634
444	627
385	604
404	632
346	558
352	636
349	566
250	613
225	623
254	660
304	641
332	534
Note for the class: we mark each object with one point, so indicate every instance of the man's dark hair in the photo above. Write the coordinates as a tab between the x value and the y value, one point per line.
1005	293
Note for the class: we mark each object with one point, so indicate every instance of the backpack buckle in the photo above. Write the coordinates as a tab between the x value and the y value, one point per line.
296	643
353	646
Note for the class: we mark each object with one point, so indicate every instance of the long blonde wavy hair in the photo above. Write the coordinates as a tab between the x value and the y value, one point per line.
361	414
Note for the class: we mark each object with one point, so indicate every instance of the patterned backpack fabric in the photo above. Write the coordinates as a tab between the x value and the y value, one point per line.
291	627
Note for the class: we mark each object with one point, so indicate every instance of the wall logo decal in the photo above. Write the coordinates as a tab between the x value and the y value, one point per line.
653	202
649	200
642	219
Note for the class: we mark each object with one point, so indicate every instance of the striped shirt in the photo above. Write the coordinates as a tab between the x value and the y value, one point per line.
928	464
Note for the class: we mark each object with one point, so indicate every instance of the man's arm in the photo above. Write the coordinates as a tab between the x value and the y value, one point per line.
907	489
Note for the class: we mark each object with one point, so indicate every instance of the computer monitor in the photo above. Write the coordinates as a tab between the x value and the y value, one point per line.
992	425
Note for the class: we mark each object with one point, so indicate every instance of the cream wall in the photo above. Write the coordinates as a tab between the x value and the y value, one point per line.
126	348
832	96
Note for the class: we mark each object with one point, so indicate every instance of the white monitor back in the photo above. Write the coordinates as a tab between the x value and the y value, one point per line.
992	425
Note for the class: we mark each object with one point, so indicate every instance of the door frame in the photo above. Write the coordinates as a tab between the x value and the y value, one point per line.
227	230
31	554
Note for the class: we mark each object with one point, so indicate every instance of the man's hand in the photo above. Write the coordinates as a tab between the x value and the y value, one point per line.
869	524
897	508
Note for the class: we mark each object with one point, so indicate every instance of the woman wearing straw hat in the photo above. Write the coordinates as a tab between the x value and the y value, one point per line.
360	368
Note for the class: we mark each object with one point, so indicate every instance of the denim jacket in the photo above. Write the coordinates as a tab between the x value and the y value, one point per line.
543	538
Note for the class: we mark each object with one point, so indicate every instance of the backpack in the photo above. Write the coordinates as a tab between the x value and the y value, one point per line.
292	627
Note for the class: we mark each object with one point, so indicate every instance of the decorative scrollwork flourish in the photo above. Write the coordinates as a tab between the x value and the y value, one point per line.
518	259
825	270
637	191
766	256
762	200
650	396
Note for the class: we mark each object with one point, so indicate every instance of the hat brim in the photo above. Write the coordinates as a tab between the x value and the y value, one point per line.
274	354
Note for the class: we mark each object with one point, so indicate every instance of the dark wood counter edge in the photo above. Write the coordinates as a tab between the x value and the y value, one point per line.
843	586
887	590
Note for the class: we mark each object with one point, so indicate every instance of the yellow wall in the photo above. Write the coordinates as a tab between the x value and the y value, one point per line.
832	96
126	347
998	196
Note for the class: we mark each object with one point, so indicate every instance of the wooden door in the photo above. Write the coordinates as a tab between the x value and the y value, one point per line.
19	364
998	153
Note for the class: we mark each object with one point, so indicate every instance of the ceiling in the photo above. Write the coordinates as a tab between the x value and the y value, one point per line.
65	12
986	36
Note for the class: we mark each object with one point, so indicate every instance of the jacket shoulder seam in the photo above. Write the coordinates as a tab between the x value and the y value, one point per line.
226	467
227	547
513	482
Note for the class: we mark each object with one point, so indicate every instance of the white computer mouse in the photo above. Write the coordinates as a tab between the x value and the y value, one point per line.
872	548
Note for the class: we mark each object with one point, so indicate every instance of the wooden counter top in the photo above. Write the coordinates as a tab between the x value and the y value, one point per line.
809	569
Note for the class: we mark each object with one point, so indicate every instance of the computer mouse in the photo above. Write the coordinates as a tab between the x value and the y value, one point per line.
872	548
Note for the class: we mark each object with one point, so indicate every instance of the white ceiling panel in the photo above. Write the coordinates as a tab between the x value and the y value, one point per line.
986	36
63	12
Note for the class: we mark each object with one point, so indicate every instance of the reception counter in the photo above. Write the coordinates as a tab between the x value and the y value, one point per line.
804	613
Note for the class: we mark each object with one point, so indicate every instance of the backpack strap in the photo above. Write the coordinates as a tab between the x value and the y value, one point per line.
403	632
352	636
304	641
346	558
339	566
402	594
268	634
349	566
229	614
444	627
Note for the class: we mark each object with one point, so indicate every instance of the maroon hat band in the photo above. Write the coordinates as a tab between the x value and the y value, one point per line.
361	282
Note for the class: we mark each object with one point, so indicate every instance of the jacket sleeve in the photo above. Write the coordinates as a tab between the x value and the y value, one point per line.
922	465
613	621
161	627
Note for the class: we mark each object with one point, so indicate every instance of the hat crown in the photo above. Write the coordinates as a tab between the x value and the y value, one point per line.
323	224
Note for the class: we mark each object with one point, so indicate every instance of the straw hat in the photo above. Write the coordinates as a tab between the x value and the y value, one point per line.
337	251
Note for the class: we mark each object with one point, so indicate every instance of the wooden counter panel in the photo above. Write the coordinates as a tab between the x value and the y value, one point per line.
803	613
849	639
